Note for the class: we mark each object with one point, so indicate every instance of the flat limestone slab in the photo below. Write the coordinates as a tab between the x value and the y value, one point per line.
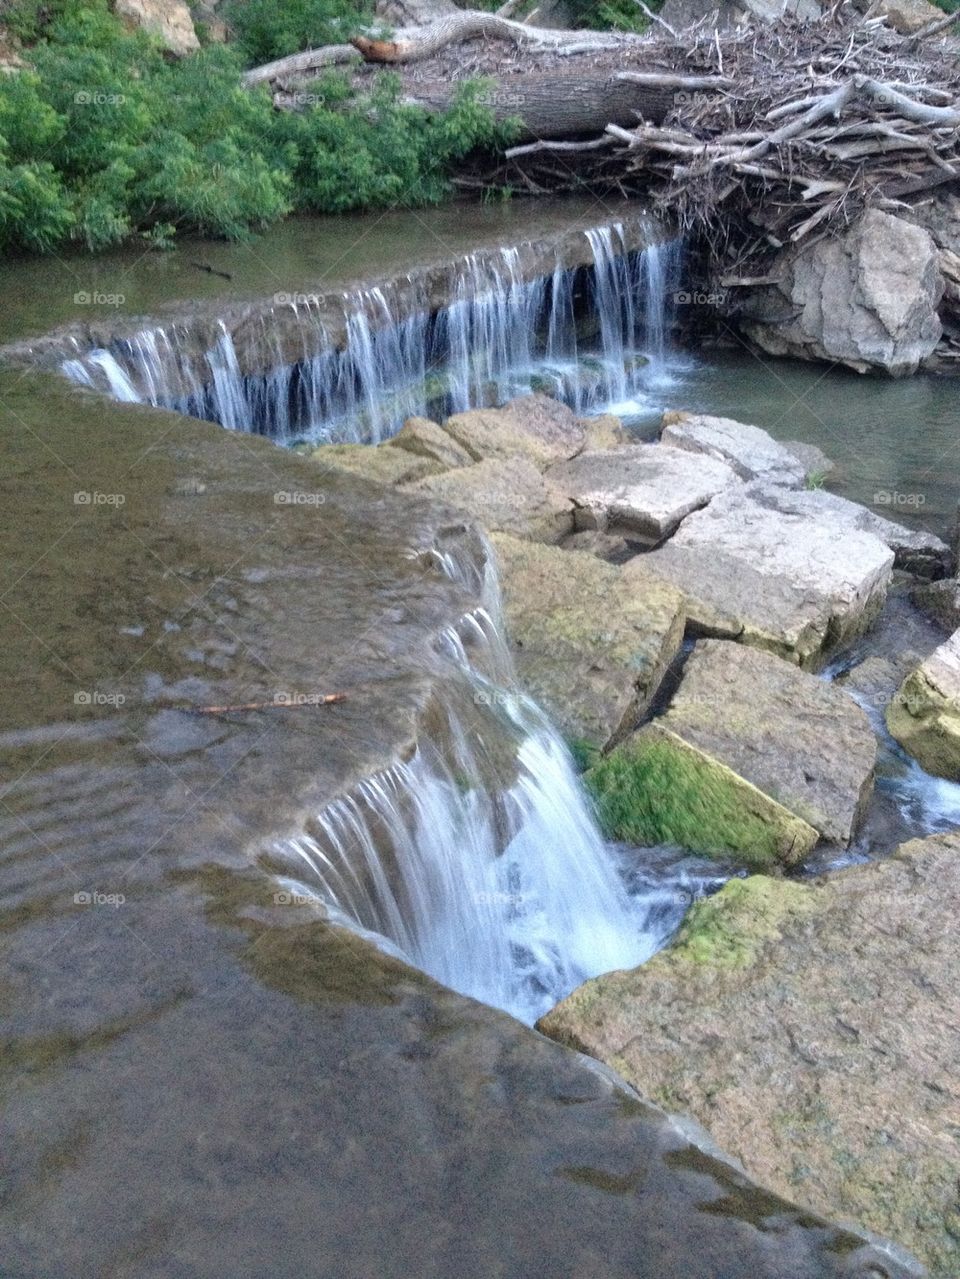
657	788
645	489
814	1030
797	584
749	450
800	740
924	716
590	649
503	495
915	550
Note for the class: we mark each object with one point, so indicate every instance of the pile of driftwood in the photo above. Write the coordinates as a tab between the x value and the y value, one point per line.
754	137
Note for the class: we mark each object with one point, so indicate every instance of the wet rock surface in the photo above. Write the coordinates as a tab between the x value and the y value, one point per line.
924	716
590	649
814	1029
506	495
800	740
534	427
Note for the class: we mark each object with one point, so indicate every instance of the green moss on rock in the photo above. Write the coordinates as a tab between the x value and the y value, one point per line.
730	929
657	789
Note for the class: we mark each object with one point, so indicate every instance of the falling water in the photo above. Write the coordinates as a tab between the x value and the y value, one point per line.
478	860
499	336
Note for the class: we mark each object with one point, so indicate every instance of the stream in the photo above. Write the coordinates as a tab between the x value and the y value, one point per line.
194	1015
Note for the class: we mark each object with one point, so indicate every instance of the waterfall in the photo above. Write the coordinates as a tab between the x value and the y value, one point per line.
478	860
597	336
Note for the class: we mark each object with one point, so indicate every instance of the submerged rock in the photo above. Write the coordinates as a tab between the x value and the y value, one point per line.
868	299
796	583
658	788
503	495
924	716
535	427
643	489
750	451
815	1032
800	740
588	647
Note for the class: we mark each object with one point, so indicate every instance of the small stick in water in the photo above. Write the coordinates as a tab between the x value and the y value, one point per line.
294	704
211	270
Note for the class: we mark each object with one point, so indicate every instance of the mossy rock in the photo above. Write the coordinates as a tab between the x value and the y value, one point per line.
656	788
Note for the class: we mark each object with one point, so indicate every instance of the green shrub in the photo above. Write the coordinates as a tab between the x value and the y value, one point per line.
268	29
104	137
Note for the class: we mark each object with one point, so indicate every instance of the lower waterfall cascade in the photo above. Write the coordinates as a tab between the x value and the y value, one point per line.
478	860
594	336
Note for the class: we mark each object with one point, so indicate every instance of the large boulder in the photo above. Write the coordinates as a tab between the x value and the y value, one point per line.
642	489
657	788
592	651
815	1031
924	716
424	438
798	584
867	299
378	463
915	550
503	495
905	16
798	739
750	451
535	427
168	20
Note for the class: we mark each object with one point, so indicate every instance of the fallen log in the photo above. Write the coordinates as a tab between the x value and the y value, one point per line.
551	107
301	64
414	44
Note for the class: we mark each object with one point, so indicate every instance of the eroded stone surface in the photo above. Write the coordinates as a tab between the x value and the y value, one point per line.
169	20
644	489
379	463
815	1032
751	452
535	427
940	600
590	649
794	583
424	438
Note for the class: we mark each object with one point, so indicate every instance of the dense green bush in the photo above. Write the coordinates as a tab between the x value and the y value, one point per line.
269	29
103	137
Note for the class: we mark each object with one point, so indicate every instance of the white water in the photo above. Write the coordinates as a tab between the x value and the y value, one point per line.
500	336
479	859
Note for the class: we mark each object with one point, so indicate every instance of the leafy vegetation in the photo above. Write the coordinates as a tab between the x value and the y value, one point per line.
102	137
268	29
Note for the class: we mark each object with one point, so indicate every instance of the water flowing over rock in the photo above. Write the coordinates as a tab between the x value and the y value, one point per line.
924	716
585	317
797	584
800	740
815	1031
591	649
868	300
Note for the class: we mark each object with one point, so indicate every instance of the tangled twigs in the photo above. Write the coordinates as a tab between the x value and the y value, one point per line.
795	130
